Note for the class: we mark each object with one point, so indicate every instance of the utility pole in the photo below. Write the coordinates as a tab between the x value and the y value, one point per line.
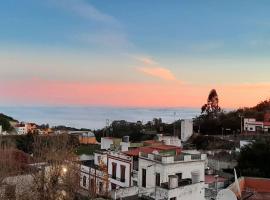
174	127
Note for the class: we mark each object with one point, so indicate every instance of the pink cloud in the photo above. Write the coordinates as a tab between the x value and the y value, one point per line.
158	72
165	94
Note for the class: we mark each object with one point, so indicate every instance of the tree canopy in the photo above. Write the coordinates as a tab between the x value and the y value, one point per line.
254	159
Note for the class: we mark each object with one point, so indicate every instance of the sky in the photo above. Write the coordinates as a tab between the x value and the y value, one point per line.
151	53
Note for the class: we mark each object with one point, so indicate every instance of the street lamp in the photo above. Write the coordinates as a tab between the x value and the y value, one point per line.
64	169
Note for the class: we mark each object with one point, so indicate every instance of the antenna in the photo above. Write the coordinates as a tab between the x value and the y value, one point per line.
237	183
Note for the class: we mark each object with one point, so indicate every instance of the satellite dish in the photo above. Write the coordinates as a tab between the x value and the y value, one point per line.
226	194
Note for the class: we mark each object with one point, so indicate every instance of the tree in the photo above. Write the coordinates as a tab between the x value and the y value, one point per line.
211	107
12	163
59	178
254	159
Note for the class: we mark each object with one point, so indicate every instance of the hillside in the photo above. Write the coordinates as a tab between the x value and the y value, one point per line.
5	122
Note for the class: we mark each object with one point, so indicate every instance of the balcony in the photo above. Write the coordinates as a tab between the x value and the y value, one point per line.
117	178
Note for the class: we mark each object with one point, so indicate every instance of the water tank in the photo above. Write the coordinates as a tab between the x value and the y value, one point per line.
173	181
126	139
195	176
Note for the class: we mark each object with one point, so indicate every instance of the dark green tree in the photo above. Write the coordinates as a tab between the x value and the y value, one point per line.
254	159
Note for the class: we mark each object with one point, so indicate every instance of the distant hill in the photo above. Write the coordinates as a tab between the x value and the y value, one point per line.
5	122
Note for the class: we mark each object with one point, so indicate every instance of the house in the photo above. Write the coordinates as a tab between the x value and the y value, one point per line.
120	168
31	127
251	125
94	175
21	128
168	176
87	138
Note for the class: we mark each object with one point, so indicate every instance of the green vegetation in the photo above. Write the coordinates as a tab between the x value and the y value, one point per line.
86	149
137	131
210	142
229	122
4	122
254	159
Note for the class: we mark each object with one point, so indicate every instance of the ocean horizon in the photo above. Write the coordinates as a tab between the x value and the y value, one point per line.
94	117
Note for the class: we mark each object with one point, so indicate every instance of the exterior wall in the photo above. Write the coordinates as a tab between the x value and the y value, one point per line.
106	143
120	160
124	192
189	192
186	129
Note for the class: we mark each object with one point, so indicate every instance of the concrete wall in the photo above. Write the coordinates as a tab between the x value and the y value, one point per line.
106	143
186	129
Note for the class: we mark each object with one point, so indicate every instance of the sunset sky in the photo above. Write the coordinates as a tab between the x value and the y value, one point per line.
151	53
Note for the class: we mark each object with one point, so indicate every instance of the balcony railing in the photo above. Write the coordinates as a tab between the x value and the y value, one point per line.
181	183
117	178
170	159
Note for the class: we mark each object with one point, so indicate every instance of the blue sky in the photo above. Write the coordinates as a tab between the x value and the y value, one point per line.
188	45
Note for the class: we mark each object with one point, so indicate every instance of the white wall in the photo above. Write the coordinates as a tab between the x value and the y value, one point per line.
186	129
106	143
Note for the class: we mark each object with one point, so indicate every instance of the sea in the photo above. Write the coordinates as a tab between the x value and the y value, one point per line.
94	117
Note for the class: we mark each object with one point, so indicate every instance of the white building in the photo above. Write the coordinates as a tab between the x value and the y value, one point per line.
172	177
119	168
251	125
94	176
186	129
21	129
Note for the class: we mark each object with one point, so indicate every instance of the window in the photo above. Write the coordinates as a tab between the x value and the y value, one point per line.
135	183
84	181
123	173
114	165
157	179
143	177
173	198
113	186
100	187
